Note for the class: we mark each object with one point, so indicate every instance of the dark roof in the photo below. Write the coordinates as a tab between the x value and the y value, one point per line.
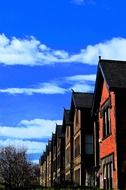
58	130
49	144
114	72
66	116
48	147
41	160
53	138
82	100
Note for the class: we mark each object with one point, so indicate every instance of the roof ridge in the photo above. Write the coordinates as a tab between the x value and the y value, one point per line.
111	60
82	92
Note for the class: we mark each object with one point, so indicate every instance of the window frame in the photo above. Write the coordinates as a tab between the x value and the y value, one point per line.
108	167
77	144
105	114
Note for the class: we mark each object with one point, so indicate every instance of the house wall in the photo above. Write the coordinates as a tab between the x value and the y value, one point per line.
121	137
96	150
83	163
58	160
45	173
86	148
68	156
77	147
41	174
49	170
108	145
54	162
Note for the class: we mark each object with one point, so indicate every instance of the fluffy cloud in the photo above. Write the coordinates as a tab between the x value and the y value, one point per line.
82	87
81	83
90	77
36	128
44	88
23	135
31	52
76	82
30	146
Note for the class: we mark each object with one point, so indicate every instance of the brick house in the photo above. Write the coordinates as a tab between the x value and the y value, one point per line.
60	154
49	164
109	115
43	170
67	130
54	159
80	116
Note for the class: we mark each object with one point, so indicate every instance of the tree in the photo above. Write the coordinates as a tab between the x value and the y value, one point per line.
15	170
36	174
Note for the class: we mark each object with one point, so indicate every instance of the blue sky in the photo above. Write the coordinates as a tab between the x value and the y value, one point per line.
47	48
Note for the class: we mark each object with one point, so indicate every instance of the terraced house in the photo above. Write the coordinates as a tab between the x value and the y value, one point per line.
60	155
109	111
54	159
49	163
68	131
43	170
94	133
81	104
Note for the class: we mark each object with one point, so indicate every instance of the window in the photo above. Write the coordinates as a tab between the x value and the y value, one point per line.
68	155
67	132
77	146
77	177
76	118
68	177
106	122
106	119
89	144
108	166
58	162
107	175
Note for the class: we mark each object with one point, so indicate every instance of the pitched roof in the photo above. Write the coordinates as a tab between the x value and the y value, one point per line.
82	100
114	72
41	160
53	138
49	145
66	116
58	130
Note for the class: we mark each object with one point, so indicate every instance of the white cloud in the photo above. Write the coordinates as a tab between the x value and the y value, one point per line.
30	146
76	82
90	77
36	128
81	83
31	52
82	87
35	161
44	88
23	135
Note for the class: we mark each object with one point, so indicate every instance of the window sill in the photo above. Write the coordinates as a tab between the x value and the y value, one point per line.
104	138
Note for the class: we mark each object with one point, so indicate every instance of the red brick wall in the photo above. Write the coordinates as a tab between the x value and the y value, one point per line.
108	145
